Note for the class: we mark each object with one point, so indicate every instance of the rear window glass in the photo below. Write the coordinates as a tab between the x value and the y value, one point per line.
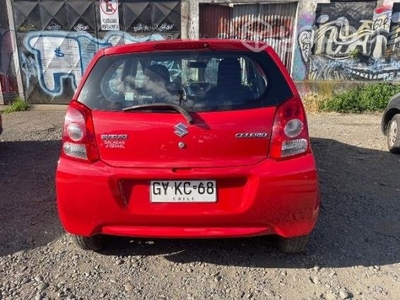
198	81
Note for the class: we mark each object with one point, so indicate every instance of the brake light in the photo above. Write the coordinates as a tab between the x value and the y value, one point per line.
290	133
78	139
182	46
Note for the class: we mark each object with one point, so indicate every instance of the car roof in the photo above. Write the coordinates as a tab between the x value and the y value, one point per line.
185	44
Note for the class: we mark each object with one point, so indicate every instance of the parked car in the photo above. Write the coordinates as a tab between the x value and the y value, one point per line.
187	139
391	124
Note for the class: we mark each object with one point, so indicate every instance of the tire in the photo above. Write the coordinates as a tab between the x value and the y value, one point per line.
293	245
393	134
93	243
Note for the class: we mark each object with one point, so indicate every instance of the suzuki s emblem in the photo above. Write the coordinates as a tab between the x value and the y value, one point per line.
181	130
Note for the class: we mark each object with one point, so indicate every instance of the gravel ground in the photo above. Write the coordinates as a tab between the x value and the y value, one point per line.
354	251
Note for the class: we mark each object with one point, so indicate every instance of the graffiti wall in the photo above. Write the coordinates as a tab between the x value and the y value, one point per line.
352	41
57	40
340	40
8	81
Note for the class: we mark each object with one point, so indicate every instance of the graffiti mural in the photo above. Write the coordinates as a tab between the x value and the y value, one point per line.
61	55
57	40
54	57
28	68
352	41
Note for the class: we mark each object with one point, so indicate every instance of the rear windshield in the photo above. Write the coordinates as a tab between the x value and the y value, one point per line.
198	81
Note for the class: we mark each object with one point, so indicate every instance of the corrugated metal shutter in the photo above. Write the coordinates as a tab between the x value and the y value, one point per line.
271	23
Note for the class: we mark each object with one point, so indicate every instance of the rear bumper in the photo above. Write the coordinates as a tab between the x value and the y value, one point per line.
270	198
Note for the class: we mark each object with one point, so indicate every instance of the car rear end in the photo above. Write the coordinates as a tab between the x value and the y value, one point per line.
213	151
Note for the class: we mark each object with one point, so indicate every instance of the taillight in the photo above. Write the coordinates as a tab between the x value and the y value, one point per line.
290	133
78	140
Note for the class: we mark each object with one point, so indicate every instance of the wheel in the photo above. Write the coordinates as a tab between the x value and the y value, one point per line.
293	245
93	243
393	134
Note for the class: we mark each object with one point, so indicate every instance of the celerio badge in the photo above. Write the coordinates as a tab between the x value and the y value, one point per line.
251	135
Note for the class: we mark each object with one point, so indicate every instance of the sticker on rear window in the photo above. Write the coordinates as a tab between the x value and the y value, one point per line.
129	96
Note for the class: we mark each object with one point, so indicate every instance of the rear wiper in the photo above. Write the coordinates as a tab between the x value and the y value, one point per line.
176	107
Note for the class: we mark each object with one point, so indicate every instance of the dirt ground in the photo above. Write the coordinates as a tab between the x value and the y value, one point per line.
354	251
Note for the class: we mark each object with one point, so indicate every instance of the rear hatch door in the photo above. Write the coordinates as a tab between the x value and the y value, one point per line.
159	140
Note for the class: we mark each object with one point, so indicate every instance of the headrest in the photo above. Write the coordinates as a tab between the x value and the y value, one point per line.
157	73
229	72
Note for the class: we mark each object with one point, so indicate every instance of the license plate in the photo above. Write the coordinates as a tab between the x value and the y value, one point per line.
183	191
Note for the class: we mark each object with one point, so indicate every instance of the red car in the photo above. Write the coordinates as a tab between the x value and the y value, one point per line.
187	139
